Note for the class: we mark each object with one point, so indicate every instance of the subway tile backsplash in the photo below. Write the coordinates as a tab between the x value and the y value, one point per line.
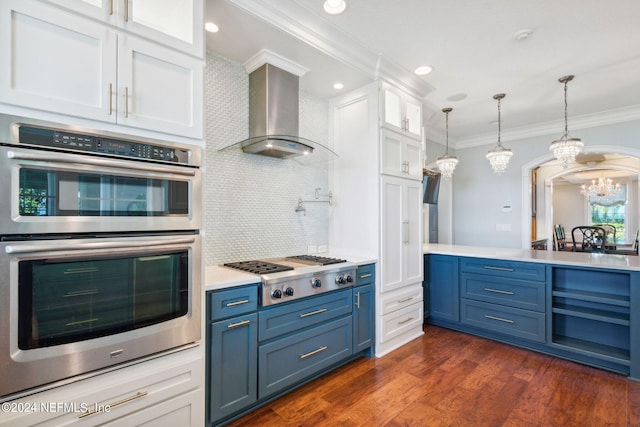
249	200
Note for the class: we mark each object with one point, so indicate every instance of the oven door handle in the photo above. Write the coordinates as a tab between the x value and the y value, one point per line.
100	162
23	248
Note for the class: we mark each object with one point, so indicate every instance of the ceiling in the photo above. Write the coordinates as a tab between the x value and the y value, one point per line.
474	51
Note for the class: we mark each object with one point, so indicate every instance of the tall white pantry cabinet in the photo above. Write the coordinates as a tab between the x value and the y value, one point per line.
378	190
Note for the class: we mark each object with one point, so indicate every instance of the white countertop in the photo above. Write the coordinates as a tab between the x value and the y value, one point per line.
581	259
217	277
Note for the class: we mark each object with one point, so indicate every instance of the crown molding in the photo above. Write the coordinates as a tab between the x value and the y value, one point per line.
265	56
298	21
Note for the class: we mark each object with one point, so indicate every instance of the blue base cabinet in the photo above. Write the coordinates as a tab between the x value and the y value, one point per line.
442	279
364	294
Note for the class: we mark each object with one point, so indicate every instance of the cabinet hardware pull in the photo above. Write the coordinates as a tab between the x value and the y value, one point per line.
231	304
311	353
406	124
235	325
358	300
405	300
110	7
138	395
126	10
364	276
405	232
498	291
405	321
488	267
110	98
499	318
126	102
322	310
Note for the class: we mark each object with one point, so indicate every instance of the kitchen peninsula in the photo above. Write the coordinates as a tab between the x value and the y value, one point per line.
577	306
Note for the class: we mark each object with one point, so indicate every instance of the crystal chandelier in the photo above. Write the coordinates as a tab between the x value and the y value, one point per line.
600	189
447	163
500	156
566	148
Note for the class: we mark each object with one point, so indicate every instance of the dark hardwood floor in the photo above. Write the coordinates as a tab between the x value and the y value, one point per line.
446	378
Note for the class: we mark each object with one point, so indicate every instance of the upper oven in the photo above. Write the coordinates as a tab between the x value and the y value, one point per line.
60	179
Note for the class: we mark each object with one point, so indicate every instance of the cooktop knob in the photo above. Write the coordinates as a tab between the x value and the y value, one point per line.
276	294
288	291
316	283
348	278
340	280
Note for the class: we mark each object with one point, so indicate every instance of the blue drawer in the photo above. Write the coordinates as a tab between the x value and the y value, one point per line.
517	293
288	318
519	323
366	275
231	302
502	268
285	362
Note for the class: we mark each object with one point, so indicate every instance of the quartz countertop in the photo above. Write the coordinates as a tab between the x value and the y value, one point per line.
580	259
218	277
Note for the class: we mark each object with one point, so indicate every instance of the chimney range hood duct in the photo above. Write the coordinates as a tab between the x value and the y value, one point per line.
273	118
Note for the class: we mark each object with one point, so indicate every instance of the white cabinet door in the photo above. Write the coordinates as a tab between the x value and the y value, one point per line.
53	60
413	253
400	156
158	88
413	117
393	112
174	23
401	112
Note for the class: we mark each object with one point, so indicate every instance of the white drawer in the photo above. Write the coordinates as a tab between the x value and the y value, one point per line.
401	298
401	321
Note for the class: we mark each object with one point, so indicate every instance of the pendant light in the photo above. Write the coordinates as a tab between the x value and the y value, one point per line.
500	156
447	163
566	148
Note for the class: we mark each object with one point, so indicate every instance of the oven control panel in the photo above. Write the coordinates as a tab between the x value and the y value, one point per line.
55	138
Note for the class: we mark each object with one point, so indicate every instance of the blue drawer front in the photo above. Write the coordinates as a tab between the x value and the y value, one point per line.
501	290
524	324
366	275
285	362
232	302
288	318
500	268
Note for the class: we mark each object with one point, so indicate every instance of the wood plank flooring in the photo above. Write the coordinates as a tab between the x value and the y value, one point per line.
447	378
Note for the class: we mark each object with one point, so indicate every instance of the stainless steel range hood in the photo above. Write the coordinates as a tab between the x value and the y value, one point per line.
273	118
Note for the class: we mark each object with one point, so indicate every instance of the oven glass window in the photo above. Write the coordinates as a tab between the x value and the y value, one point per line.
63	193
64	301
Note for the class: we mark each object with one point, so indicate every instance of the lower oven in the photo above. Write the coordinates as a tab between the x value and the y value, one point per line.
79	303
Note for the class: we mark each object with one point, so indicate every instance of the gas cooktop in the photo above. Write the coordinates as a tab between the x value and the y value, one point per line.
279	265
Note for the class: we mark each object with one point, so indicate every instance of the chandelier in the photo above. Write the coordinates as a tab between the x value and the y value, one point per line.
500	156
447	163
600	189
566	148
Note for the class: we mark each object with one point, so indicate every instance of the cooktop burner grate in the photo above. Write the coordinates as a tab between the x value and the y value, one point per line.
315	260
258	267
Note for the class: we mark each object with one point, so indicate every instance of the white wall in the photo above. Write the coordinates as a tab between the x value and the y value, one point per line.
478	194
569	208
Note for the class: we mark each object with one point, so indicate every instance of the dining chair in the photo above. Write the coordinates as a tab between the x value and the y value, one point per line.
611	235
621	250
560	238
589	238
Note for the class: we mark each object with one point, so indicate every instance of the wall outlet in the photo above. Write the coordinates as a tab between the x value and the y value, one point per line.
322	249
312	249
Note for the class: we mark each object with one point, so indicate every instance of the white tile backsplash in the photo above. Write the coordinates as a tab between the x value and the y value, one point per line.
249	200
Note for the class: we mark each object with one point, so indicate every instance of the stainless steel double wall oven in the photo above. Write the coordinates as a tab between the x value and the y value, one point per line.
100	251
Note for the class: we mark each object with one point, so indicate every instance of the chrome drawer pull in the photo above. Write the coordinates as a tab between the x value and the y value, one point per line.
103	408
499	318
498	291
488	267
311	353
235	325
405	300
231	304
322	310
358	300
405	321
364	276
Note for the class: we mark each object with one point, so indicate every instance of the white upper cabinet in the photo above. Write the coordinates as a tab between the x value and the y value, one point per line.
56	61
400	156
175	23
401	112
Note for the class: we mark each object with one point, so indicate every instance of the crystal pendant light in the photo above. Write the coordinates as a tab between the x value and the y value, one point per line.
566	148
447	163
500	156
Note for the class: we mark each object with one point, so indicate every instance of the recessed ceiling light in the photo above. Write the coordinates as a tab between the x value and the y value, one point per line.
522	34
334	7
338	85
211	27
423	70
